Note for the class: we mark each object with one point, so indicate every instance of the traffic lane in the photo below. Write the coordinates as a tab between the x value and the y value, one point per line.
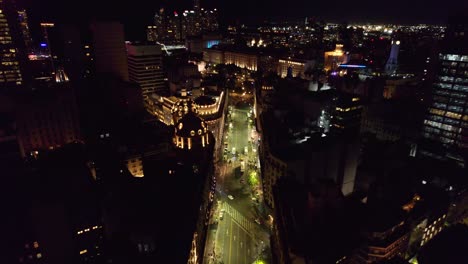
239	241
241	128
237	244
225	237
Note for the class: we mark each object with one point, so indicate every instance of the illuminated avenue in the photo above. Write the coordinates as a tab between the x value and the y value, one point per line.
182	132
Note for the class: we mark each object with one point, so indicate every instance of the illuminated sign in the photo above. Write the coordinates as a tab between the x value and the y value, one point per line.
352	66
43	44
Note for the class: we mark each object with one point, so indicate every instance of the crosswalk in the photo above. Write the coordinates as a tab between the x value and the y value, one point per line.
241	220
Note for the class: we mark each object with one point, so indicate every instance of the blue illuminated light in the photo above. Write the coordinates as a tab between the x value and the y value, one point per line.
43	44
211	43
352	66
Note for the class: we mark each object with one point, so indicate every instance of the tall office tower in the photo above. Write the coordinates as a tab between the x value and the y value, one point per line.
196	6
145	67
197	17
446	122
76	52
151	34
24	26
109	49
190	23
209	19
347	115
173	27
161	24
11	44
392	62
45	27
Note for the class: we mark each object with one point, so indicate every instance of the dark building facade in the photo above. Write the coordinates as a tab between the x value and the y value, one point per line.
48	118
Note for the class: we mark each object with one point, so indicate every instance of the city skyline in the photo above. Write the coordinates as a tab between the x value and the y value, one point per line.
244	11
234	132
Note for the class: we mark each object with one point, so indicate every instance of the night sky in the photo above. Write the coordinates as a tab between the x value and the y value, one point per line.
137	13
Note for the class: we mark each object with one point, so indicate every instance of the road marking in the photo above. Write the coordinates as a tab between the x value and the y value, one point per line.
230	246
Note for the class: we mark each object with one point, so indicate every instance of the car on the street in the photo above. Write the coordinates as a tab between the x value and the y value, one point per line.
221	215
231	197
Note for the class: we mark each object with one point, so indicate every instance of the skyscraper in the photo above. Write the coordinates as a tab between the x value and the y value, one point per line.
196	6
151	35
109	49
10	51
446	120
145	67
24	26
392	63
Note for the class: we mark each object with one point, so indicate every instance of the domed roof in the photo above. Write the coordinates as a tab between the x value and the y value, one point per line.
190	125
184	106
204	100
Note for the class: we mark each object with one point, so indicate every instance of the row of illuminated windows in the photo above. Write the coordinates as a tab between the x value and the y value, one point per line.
449	121
443	126
439	137
450	94
88	230
461	72
455	108
9	63
450	101
451	79
453	57
454	64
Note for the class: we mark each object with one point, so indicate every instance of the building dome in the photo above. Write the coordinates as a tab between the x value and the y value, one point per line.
190	130
190	125
183	107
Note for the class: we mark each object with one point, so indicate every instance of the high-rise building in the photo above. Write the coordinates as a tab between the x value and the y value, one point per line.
392	62
190	23
347	114
196	5
160	24
109	49
173	27
46	26
10	46
24	26
209	20
446	121
151	34
145	67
